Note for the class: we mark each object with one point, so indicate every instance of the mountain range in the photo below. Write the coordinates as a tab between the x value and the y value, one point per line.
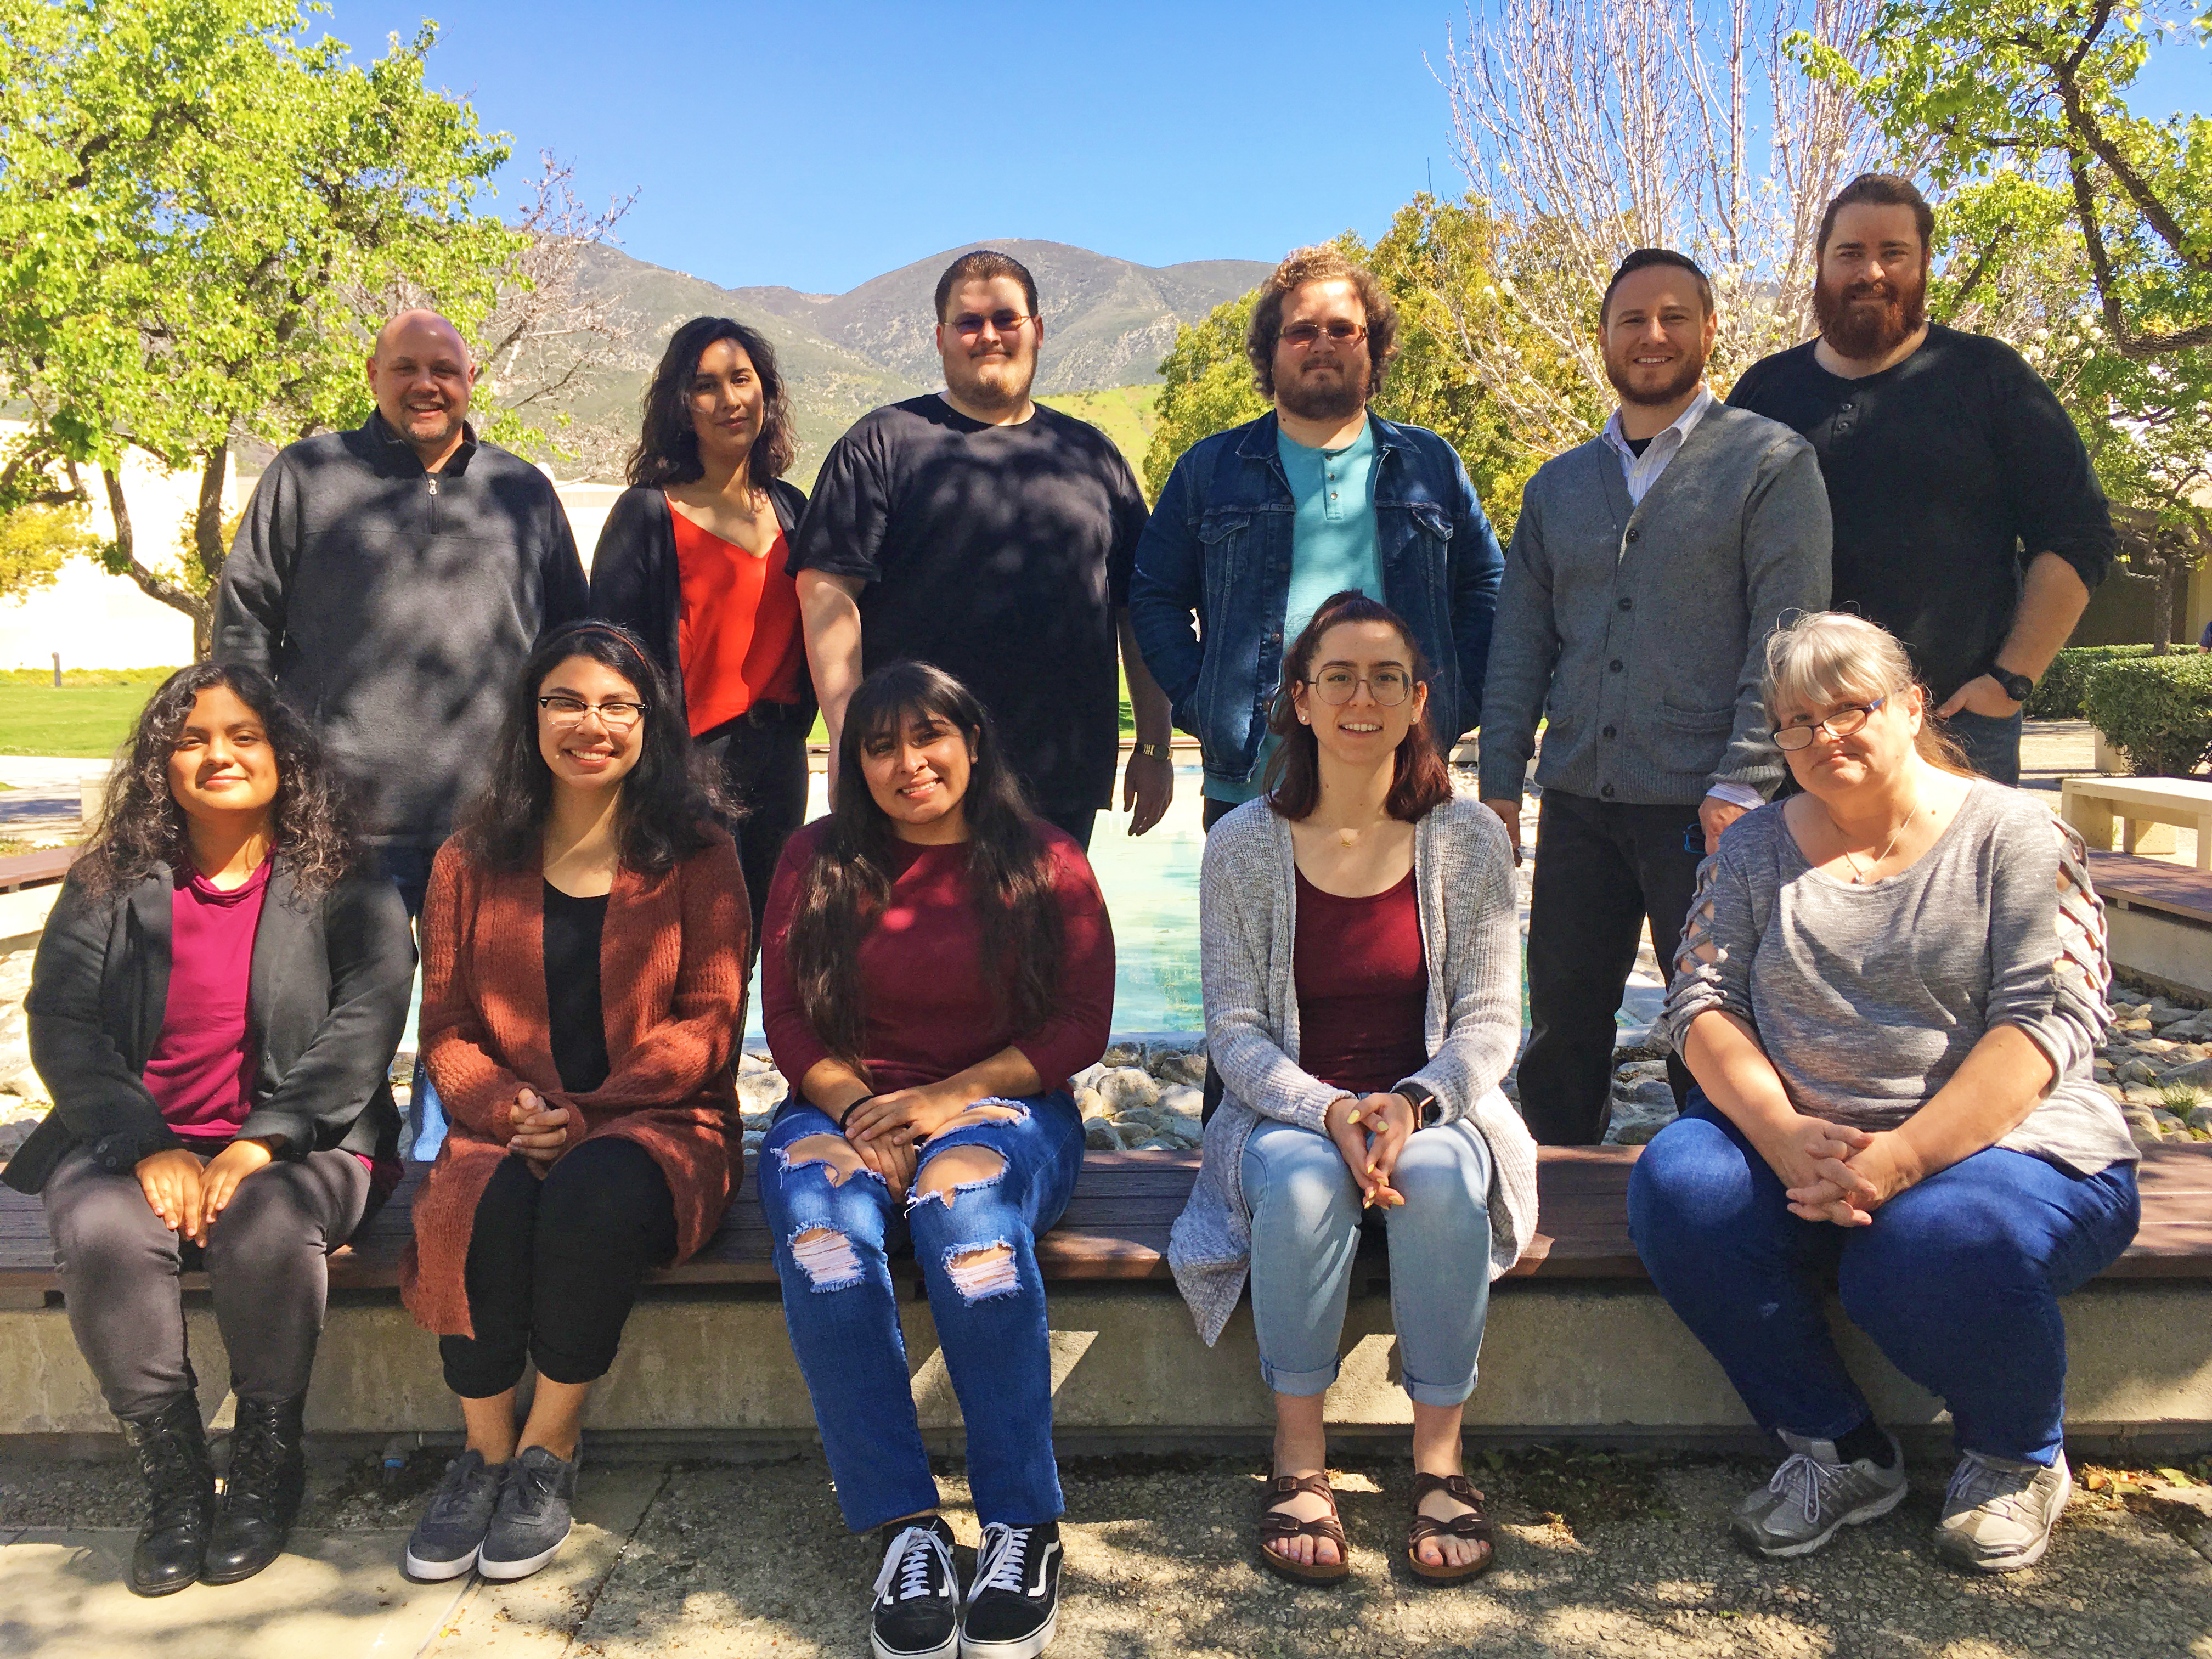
1107	322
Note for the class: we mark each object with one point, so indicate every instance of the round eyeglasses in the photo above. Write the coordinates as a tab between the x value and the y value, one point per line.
1388	686
1841	724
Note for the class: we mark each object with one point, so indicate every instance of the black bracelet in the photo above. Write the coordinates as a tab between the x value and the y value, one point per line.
850	1110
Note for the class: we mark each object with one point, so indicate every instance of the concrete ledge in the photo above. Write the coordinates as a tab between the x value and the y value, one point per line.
2173	952
1607	1362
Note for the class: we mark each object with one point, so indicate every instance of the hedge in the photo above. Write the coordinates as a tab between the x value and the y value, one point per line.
2156	710
2057	694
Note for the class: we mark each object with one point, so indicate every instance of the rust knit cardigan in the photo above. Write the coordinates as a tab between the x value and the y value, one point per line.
672	984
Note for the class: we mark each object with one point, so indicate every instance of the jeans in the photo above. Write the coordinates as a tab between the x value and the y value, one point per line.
1957	1280
761	756
833	1234
1991	743
408	866
554	1266
266	1258
1305	1232
1605	870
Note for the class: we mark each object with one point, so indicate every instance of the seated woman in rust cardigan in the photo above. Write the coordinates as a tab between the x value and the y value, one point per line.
938	963
584	948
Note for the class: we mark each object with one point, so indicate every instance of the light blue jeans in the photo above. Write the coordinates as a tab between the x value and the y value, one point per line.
1305	1231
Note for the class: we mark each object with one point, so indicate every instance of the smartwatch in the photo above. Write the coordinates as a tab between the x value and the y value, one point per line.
2018	687
1426	1113
1153	750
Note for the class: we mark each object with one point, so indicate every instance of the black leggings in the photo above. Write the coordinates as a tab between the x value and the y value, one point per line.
554	1266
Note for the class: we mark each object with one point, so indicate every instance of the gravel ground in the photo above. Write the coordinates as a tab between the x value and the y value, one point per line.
1597	1555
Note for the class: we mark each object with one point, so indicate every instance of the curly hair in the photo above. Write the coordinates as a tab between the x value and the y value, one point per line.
142	829
1324	264
848	883
668	450
669	799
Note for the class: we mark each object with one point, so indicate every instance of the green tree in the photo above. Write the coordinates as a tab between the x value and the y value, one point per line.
36	543
204	206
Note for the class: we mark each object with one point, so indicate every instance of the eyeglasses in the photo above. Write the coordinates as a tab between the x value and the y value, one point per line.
1841	724
1302	335
1005	322
564	713
1388	686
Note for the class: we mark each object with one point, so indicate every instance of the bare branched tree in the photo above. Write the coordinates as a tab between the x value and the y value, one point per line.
1588	128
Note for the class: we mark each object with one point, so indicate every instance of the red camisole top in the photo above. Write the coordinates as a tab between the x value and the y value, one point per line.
738	638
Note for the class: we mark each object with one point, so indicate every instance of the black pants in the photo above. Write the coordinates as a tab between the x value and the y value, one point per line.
1075	820
1604	870
762	754
554	1266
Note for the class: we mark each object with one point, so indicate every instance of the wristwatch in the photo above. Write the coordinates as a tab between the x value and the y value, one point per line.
2018	687
1426	1113
1153	750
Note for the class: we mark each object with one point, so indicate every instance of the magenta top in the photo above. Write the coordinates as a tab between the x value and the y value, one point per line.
201	1071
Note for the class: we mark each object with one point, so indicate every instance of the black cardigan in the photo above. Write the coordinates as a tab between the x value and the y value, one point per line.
635	581
325	1005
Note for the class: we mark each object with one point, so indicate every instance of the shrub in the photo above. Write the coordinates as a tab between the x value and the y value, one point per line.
2057	694
2156	710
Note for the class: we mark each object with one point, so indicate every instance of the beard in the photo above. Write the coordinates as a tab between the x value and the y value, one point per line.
997	384
1321	397
1687	374
1864	320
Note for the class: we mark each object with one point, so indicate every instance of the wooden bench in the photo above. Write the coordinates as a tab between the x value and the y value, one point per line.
1116	1228
48	864
2090	805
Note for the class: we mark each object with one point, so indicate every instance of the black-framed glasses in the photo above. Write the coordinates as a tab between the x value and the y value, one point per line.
1841	724
616	714
1302	335
1006	322
1337	686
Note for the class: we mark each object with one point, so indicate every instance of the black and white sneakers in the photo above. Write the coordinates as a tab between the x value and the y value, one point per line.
1013	1608
917	1611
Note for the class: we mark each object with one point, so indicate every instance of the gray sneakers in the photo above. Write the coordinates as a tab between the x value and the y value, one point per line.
533	1519
1997	1515
1812	1496
452	1526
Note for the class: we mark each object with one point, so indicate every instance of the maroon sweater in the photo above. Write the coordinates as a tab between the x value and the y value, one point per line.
928	1007
1362	988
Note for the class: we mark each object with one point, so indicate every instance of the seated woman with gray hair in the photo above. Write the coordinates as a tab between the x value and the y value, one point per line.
1890	991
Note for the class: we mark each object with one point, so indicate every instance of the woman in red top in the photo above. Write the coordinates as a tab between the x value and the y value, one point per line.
692	560
939	964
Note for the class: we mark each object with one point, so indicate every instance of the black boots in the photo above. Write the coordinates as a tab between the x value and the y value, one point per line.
173	1454
261	1494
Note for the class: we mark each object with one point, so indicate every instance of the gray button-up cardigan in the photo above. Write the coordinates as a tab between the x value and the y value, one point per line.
1248	921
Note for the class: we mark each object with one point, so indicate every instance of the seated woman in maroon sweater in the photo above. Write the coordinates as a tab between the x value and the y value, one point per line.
938	962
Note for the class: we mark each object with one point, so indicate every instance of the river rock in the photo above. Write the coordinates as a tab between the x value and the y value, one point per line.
1123	1054
760	1091
1128	1087
2200	1117
1160	1143
1086	1080
1185	1066
1100	1136
1182	1100
2142	1124
1640	1111
752	1060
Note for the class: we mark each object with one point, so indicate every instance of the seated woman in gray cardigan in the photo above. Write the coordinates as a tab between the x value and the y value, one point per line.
1360	955
215	1005
1890	991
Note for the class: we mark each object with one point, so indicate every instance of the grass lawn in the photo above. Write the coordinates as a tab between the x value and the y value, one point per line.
92	720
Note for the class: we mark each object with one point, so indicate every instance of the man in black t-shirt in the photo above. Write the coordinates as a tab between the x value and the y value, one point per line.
981	531
1968	520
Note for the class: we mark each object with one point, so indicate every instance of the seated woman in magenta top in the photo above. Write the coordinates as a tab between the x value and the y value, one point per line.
1360	953
215	1003
692	560
939	963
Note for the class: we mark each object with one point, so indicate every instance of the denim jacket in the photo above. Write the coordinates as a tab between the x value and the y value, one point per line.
1217	554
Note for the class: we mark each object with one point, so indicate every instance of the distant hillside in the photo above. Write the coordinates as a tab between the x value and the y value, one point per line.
1108	322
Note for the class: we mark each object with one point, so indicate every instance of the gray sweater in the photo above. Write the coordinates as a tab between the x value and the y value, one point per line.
394	609
1638	627
1867	999
1248	925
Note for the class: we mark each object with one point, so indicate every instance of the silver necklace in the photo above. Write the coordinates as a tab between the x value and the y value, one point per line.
1857	879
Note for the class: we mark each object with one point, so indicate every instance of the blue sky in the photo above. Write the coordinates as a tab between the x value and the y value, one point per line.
820	143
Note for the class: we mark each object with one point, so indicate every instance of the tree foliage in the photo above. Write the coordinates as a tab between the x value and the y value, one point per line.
36	543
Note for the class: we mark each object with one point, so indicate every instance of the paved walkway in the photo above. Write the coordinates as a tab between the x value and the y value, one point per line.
1620	1557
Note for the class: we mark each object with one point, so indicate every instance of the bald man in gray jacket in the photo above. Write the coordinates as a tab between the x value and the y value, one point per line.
1647	569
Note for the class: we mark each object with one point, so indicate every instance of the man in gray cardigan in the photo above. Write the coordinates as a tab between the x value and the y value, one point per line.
1648	566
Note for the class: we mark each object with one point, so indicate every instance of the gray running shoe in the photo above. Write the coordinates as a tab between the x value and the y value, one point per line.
1812	1495
533	1520
453	1528
1997	1515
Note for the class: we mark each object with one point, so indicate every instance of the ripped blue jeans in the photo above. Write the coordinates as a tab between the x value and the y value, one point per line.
835	1229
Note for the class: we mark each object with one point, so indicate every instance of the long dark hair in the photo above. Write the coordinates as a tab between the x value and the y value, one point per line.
667	449
849	881
669	799
141	825
1422	782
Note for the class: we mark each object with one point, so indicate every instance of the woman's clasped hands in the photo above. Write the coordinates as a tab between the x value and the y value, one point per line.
1834	1173
541	1130
189	1195
1371	1132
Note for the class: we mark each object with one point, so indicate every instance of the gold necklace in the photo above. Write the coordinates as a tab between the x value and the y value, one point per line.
1856	878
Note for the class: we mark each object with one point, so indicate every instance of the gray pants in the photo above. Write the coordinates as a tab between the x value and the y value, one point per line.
267	1264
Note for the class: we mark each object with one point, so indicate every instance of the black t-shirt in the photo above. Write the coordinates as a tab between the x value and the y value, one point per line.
1947	475
998	553
573	927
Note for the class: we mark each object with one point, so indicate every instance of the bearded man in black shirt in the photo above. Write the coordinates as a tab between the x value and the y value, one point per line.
1968	520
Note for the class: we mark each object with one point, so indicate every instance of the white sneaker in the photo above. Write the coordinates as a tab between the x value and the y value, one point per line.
1997	1514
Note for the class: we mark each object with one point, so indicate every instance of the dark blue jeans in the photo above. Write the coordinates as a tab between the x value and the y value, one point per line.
1957	1280
834	1238
1991	743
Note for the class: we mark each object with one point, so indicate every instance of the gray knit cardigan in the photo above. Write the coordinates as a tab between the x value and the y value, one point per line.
1247	921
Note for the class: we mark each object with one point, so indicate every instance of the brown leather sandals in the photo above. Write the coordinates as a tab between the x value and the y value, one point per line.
1276	1525
1474	1525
